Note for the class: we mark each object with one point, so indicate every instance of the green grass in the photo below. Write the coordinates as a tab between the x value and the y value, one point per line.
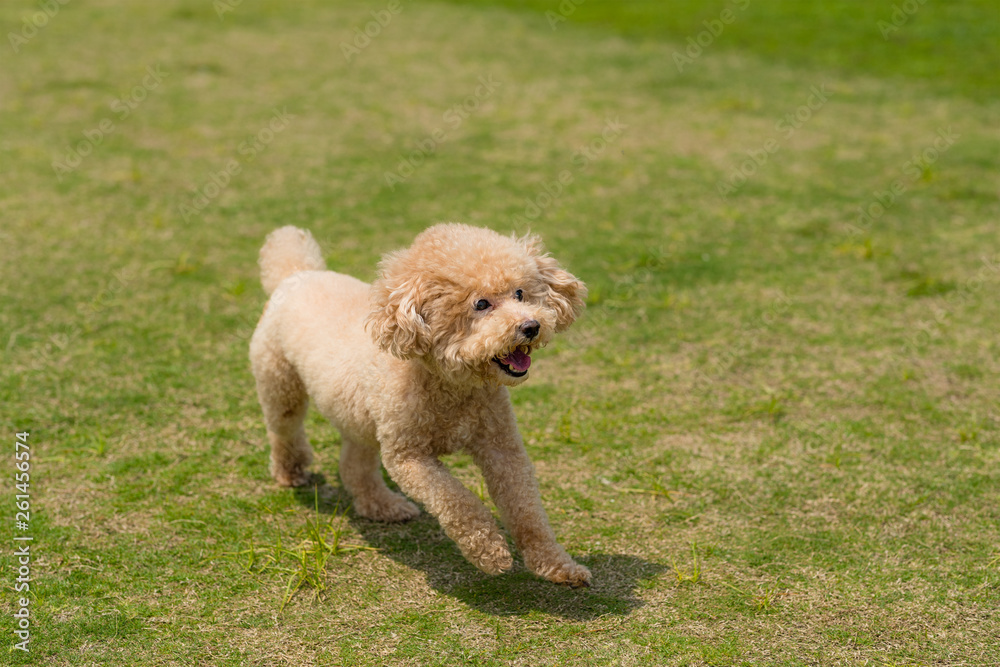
773	437
953	46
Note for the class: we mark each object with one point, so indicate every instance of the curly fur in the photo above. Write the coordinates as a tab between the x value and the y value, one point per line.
409	369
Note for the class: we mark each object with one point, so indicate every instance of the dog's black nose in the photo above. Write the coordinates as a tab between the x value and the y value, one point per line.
530	329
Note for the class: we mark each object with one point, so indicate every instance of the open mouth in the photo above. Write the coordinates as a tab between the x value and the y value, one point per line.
516	362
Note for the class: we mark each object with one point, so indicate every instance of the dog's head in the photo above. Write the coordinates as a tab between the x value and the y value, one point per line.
472	304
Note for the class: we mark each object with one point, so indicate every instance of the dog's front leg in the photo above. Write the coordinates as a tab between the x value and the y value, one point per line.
510	479
464	518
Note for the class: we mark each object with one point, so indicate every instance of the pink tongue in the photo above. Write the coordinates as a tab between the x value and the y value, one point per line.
517	360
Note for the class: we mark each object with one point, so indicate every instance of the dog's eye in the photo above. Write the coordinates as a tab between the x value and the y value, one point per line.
482	304
519	295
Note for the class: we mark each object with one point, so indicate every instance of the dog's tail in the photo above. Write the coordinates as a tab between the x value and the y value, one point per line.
287	251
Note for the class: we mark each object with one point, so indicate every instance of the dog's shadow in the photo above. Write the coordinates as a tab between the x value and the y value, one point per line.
420	544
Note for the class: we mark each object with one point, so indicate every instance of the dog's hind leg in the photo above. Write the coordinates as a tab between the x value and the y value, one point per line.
361	472
284	400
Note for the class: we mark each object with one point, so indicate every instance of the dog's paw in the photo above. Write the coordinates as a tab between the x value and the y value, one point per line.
295	476
491	555
570	573
394	509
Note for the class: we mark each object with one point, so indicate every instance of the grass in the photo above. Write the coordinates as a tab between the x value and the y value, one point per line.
773	437
952	47
304	563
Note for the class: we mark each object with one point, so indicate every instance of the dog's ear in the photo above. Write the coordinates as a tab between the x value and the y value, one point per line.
396	322
566	295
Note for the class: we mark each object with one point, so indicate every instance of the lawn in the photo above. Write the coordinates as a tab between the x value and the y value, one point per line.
774	436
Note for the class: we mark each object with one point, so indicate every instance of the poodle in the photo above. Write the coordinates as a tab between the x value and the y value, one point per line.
413	367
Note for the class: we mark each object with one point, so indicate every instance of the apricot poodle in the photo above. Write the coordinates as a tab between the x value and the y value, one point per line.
413	367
